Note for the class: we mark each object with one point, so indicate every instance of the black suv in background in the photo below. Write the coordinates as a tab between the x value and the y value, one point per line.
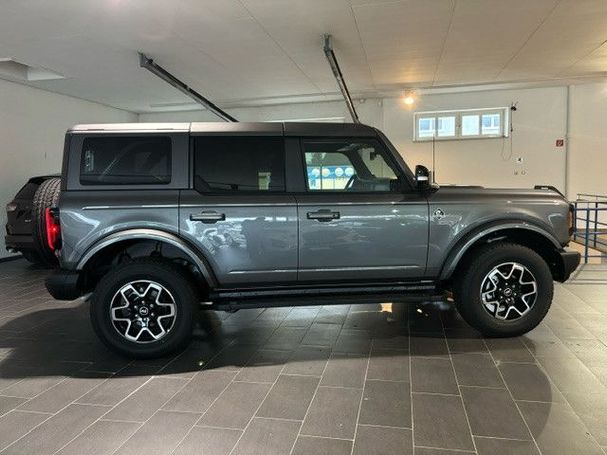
25	215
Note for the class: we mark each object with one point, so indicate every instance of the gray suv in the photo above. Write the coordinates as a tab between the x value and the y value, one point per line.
157	221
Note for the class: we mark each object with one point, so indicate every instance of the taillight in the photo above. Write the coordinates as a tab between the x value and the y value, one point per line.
53	229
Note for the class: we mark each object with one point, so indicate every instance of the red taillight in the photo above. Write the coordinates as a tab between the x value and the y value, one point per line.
53	229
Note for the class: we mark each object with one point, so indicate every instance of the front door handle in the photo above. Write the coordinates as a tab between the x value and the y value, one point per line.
323	215
208	217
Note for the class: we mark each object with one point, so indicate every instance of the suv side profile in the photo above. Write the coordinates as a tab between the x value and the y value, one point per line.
156	221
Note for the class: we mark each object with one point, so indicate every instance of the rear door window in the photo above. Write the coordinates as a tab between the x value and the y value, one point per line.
239	164
128	160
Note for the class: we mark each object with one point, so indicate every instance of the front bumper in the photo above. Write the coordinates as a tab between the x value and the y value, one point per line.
569	262
64	285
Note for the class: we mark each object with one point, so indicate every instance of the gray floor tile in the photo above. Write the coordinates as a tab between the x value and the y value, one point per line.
65	392
213	441
571	376
9	403
332	314
345	370
57	431
16	424
101	438
433	375
429	345
119	387
333	413
308	445
528	382
265	366
143	403
289	397
371	440
308	360
390	365
286	338
557	429
386	403
432	451
232	358
476	370
353	341
236	405
440	421
509	350
592	409
492	412
267	437
492	446
301	317
154	439
322	334
201	391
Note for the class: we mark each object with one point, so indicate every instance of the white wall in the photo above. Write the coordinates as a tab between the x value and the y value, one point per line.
588	139
32	128
538	122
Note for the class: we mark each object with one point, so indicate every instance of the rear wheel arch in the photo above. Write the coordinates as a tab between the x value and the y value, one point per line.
141	243
526	235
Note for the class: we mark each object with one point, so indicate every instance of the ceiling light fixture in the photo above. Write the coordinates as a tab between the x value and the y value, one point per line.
409	98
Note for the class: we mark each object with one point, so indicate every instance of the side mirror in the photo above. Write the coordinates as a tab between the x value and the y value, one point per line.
422	177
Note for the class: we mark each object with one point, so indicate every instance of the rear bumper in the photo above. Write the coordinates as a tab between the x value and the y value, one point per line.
569	262
19	242
64	285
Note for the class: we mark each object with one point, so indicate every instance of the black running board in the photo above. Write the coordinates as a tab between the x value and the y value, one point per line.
241	299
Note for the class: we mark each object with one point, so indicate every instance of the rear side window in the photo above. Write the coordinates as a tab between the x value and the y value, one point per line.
132	160
233	164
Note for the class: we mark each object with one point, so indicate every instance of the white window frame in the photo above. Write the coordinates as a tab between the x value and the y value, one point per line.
503	112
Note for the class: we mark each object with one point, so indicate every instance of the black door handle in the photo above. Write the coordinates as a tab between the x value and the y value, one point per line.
208	217
323	215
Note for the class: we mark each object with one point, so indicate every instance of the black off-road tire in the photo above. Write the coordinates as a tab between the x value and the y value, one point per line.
32	256
163	272
47	195
468	281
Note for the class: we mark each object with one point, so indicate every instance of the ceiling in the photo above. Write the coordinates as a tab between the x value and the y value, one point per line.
248	52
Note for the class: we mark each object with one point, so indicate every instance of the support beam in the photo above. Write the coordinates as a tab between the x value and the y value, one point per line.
148	64
328	48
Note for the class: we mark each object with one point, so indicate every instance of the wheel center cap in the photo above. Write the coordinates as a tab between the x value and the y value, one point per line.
507	292
143	311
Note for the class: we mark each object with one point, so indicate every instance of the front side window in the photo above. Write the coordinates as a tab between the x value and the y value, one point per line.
348	165
126	160
233	164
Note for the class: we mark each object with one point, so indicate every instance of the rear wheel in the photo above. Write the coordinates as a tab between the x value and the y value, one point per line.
504	290
47	195
144	308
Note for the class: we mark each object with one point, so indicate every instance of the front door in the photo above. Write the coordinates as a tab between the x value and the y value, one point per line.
238	213
355	222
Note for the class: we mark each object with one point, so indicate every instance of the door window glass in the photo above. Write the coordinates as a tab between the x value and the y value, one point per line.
348	165
232	164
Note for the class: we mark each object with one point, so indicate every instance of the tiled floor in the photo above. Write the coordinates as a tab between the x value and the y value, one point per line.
369	379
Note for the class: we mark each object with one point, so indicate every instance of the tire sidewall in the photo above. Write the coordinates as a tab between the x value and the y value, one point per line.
472	306
171	280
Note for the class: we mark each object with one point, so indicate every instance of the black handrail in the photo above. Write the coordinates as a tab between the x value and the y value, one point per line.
588	209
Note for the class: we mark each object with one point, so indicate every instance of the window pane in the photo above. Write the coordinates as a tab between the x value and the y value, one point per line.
425	127
239	164
470	125
126	160
446	126
355	165
491	124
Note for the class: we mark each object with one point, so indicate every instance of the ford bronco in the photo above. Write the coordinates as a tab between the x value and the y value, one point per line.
156	221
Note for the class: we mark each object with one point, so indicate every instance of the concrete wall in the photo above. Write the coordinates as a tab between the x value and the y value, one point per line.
32	127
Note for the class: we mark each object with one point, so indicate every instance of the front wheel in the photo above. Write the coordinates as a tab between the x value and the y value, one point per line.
144	308
504	290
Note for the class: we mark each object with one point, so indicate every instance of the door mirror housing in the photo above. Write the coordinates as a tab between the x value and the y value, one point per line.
422	177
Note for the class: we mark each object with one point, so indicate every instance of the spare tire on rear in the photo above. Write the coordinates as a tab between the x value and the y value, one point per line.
47	195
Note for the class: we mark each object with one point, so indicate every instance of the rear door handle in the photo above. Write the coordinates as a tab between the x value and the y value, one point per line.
208	217
323	215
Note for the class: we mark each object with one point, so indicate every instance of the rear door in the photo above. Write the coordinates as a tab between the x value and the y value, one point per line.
355	221
238	212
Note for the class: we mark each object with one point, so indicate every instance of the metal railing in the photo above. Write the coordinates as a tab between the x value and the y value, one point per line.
590	225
